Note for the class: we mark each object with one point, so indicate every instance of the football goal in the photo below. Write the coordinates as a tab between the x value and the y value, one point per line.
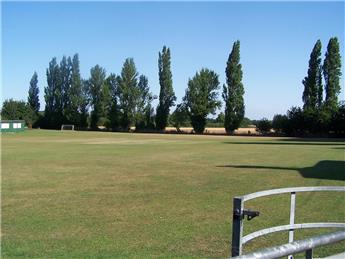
67	127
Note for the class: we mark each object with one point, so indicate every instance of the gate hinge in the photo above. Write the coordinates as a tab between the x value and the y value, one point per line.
246	212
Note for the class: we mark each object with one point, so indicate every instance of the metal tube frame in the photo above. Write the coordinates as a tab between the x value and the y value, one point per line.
306	245
238	206
292	218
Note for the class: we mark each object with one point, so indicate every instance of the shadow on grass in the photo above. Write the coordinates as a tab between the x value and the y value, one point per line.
326	169
294	142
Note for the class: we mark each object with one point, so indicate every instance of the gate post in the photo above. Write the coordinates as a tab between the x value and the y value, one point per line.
237	227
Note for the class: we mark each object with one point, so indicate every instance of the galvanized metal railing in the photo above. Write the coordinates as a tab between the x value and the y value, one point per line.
296	247
239	213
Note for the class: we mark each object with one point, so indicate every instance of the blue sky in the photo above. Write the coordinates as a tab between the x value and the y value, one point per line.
276	41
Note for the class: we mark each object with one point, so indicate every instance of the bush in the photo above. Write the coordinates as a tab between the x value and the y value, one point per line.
18	110
296	125
337	121
308	122
263	126
280	123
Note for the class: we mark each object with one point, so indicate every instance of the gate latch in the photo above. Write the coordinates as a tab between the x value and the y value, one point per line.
246	212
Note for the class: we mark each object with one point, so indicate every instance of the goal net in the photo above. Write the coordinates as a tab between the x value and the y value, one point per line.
67	127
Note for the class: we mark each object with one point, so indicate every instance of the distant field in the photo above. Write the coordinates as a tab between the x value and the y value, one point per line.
121	195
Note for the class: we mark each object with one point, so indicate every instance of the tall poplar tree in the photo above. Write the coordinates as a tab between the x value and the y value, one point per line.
128	93
233	91
33	99
84	104
66	96
312	94
332	73
65	74
113	114
95	85
74	101
106	102
167	96
320	90
53	96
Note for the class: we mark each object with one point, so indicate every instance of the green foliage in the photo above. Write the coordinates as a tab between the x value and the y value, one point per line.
321	122
312	94
129	93
65	74
233	91
296	121
53	96
316	121
106	104
317	118
264	126
332	73
18	110
217	122
201	98
134	98
125	100
63	94
337	123
144	110
98	94
167	96
246	122
84	105
179	117
320	90
33	98
220	118
113	113
74	97
280	123
13	110
303	122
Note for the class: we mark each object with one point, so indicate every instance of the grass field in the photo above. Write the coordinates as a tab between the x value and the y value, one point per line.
120	195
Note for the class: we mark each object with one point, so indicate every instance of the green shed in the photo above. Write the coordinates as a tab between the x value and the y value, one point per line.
12	125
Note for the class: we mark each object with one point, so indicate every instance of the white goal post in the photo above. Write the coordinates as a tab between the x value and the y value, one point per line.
67	127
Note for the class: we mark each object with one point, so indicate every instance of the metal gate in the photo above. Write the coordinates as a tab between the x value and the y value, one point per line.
240	212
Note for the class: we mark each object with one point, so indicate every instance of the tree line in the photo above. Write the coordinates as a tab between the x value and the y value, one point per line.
322	114
118	102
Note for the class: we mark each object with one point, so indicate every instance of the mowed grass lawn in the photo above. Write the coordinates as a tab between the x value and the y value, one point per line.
121	195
